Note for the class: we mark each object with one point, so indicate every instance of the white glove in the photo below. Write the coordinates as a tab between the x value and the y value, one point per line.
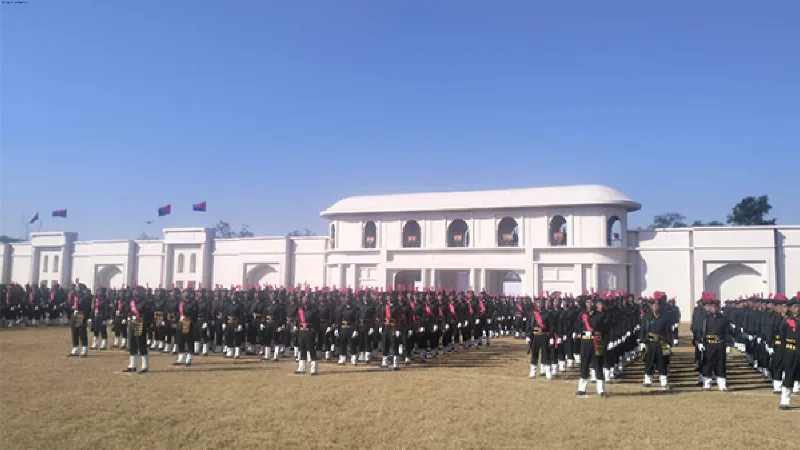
750	338
89	322
205	325
610	345
294	328
262	327
524	319
459	324
336	332
558	341
371	331
674	342
328	330
466	323
124	321
355	334
728	350
224	326
435	328
489	321
239	328
280	328
551	342
410	333
770	350
637	327
701	347
642	347
574	335
183	317
380	330
758	340
396	334
447	326
528	340
421	329
477	321
733	326
628	334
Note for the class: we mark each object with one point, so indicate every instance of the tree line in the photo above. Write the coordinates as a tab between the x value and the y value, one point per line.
749	211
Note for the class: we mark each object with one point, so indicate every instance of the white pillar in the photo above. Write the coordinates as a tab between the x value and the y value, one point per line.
432	280
341	282
482	285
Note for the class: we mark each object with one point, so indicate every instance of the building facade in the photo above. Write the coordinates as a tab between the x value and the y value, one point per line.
569	239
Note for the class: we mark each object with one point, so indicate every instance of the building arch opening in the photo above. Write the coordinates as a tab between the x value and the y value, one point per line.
508	233
332	236
558	231
458	234
614	232
370	235
412	234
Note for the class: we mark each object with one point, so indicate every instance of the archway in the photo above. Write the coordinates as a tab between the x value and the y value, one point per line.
458	234
614	232
193	263
181	262
333	236
406	278
260	275
370	235
507	233
109	277
558	231
412	234
732	280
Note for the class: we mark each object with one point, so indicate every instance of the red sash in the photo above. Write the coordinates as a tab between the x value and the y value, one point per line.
428	309
30	296
585	317
180	308
96	305
74	301
441	312
519	307
302	314
388	312
452	309
538	317
413	316
792	323
134	309
483	307
470	309
52	296
119	306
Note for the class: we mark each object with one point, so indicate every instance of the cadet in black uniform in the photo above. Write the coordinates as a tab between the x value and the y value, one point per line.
140	317
232	327
99	321
654	340
391	332
714	343
790	335
346	330
592	326
541	340
185	329
307	323
81	313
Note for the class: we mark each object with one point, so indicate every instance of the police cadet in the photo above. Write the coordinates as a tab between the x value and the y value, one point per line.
345	329
774	345
274	318
327	318
593	328
655	341
713	341
391	331
541	340
307	321
789	334
140	316
366	325
184	331
232	326
100	317
205	313
81	313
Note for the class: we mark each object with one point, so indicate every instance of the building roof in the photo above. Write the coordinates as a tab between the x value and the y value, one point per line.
581	195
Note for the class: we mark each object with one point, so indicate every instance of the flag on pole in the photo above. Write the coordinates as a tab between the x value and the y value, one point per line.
60	213
201	207
164	210
34	218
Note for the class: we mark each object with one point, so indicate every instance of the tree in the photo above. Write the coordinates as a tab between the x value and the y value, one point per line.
223	229
669	220
751	211
9	240
713	223
146	237
297	233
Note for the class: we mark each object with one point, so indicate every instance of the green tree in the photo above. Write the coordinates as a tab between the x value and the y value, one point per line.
9	240
713	223
223	229
669	220
751	211
296	233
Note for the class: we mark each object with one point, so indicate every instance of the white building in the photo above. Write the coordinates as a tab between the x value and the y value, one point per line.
567	239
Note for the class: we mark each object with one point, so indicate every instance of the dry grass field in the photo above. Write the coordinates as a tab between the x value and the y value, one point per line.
478	399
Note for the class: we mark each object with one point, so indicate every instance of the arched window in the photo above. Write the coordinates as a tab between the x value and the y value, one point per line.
558	231
55	263
614	232
333	236
370	235
458	234
412	234
45	263
508	233
180	262
193	263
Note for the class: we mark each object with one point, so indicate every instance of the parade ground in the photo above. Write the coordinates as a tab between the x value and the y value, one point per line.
476	399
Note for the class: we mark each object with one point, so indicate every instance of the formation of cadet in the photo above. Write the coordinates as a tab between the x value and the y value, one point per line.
598	333
765	330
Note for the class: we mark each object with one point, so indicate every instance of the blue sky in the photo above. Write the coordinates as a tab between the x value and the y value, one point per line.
273	110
